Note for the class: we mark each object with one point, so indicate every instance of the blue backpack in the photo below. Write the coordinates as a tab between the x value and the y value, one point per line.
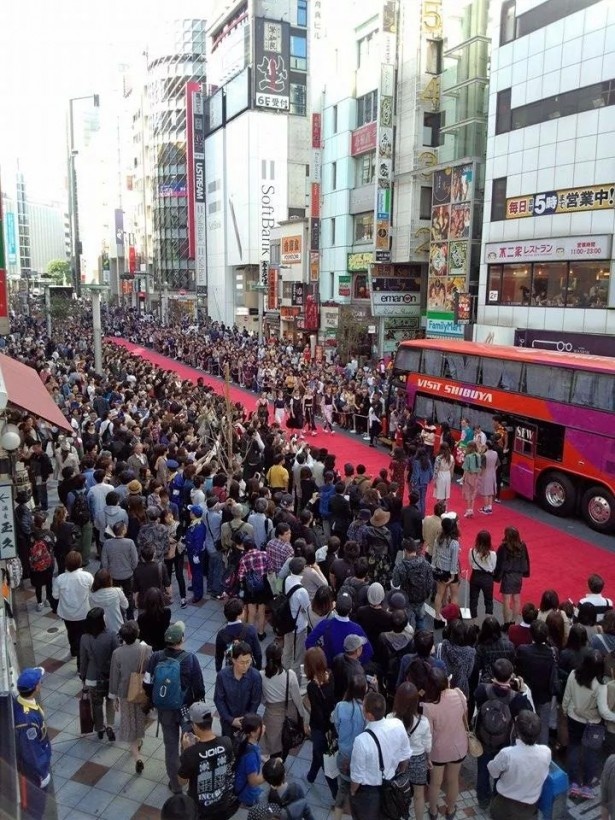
167	693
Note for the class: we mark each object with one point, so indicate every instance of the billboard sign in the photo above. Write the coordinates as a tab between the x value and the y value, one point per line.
290	253
564	201
551	249
364	139
271	64
11	242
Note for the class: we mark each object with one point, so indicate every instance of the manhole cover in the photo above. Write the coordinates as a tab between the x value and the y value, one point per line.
52	629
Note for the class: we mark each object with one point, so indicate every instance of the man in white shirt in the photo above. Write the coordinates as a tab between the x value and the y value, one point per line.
595	585
293	652
520	771
365	771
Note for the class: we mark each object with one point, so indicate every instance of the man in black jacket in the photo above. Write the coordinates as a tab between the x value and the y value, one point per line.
193	687
339	512
39	469
236	630
411	519
536	663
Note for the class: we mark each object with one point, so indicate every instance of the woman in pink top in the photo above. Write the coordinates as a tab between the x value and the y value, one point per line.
448	720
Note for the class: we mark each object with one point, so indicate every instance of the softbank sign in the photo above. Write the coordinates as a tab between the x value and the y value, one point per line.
267	222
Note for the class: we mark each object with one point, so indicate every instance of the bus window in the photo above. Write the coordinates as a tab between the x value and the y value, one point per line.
550	440
423	408
502	373
449	412
407	359
461	368
549	382
431	363
583	389
594	390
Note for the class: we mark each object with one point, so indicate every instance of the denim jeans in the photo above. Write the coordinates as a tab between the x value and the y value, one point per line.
197	577
483	778
170	721
582	763
214	573
422	491
417	616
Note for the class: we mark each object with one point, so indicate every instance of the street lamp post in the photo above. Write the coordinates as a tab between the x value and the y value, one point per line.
260	288
95	291
73	200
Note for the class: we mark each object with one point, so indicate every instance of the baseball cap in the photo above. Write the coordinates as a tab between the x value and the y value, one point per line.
199	711
365	514
175	633
30	678
398	600
375	593
353	642
286	500
172	464
196	509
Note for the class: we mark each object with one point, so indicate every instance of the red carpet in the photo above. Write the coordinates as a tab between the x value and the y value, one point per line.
558	560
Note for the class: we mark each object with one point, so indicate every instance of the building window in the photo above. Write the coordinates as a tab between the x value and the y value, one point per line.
508	21
547	13
366	168
431	128
302	13
498	199
367	108
332	231
598	95
298	52
364	227
549	284
433	57
503	117
335	119
333	176
298	99
366	47
425	203
360	288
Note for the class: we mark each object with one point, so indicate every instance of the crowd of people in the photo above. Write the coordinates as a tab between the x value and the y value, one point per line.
325	575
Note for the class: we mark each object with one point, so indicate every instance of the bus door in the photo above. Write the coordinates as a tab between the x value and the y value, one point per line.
522	460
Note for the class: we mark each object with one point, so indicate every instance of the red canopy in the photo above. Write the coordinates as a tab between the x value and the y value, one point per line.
23	388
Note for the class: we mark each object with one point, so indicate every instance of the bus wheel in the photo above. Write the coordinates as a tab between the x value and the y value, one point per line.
557	494
598	507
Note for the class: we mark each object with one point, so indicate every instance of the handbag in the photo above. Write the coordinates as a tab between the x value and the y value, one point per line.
475	747
396	793
593	736
86	719
136	693
293	733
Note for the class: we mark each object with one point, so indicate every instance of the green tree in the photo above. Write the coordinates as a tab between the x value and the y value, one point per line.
59	270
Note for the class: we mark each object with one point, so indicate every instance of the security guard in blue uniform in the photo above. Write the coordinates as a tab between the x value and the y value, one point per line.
32	744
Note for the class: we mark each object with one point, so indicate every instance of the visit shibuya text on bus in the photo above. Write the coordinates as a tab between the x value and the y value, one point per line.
558	408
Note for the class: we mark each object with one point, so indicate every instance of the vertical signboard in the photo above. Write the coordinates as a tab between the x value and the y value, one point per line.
119	234
11	242
315	170
384	142
272	289
8	546
271	64
195	160
5	325
450	245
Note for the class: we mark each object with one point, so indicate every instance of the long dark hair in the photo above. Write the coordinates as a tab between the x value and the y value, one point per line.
482	545
490	630
513	542
95	622
249	724
406	703
422	456
273	665
356	689
153	603
591	666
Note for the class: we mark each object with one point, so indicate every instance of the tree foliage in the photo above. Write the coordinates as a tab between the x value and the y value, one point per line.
59	269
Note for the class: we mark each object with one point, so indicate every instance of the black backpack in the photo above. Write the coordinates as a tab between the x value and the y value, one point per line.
495	721
282	620
417	580
80	511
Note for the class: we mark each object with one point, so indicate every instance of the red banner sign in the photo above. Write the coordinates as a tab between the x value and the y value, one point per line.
132	259
315	200
316	130
363	139
272	289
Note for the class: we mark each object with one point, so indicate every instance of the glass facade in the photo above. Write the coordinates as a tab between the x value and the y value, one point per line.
549	284
168	74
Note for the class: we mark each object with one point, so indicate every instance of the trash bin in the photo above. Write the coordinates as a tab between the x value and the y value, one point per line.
552	803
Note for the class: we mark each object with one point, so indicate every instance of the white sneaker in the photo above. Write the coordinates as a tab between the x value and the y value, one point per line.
468	514
39	607
366	437
313	432
46	603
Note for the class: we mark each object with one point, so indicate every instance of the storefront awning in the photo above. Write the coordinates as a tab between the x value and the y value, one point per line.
23	388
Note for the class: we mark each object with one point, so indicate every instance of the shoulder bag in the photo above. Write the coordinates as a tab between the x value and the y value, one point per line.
136	693
293	733
396	793
475	747
168	599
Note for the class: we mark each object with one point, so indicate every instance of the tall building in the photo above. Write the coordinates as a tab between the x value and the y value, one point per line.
175	59
547	277
256	151
47	234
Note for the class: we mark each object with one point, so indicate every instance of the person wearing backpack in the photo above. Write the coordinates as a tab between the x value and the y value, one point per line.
40	561
80	513
299	603
497	705
414	576
173	681
236	630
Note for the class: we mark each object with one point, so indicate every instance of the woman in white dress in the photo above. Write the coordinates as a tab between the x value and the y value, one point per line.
487	480
444	468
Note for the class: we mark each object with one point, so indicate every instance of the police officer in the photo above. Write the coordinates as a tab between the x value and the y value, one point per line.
33	746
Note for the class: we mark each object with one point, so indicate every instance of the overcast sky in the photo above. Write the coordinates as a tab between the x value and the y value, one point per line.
51	50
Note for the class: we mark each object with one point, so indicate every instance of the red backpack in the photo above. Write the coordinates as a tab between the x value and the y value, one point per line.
39	557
